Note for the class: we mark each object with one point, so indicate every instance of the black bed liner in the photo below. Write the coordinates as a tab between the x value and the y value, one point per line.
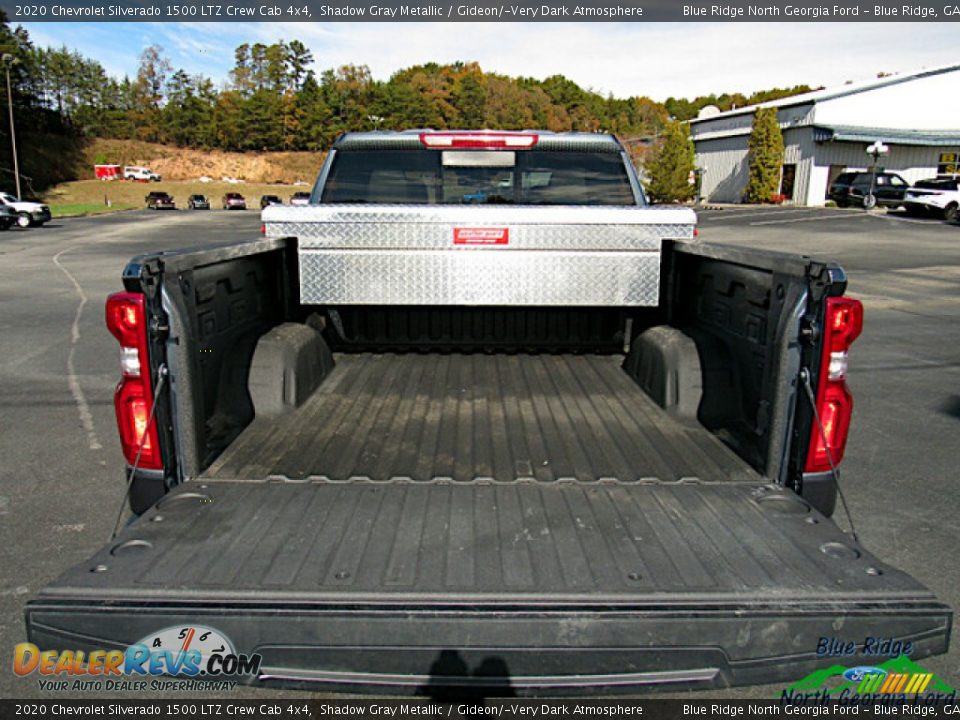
557	543
562	585
463	417
525	520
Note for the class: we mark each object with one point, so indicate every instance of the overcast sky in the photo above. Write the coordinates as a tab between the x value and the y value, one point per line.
626	59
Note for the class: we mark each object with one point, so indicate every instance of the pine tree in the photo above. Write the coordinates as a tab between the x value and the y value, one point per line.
669	170
765	157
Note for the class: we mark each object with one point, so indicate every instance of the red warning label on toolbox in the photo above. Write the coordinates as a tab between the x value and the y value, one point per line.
481	236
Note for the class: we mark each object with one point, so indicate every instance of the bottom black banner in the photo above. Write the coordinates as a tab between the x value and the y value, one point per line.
529	709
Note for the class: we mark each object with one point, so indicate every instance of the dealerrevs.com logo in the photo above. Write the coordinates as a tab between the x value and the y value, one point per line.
202	655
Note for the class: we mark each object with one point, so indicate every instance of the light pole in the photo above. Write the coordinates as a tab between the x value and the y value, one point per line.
874	151
9	60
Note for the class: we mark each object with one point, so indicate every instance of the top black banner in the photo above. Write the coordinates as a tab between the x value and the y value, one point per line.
480	11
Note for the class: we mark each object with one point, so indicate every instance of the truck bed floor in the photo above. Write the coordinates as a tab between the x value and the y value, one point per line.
470	417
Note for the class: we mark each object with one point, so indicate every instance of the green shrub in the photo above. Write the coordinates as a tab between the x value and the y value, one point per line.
668	172
765	157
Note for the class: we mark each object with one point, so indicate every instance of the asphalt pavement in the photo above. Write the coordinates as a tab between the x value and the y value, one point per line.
61	471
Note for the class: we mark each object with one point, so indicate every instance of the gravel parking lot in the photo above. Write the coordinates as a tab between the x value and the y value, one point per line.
61	471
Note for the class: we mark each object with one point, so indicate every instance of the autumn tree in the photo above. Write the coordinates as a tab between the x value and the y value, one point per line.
765	156
668	171
149	91
469	95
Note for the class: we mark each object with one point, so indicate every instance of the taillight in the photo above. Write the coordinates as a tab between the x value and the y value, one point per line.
486	139
127	321
842	325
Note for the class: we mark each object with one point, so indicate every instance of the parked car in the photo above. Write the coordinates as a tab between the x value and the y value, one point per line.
300	198
267	200
853	188
160	200
8	217
198	202
234	201
135	172
28	213
936	196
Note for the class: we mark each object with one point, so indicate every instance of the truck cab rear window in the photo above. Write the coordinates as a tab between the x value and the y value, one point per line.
444	177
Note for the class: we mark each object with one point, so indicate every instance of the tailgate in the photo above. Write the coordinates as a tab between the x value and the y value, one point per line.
546	586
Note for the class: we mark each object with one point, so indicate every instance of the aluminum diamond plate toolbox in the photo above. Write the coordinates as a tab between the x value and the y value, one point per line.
456	255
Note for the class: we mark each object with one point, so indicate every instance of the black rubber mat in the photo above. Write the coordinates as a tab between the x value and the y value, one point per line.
475	417
568	585
559	541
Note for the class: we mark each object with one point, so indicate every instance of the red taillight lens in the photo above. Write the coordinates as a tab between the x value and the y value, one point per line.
842	325
844	322
835	406
492	140
132	403
126	320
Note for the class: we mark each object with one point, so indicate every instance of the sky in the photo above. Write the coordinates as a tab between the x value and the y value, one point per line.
658	60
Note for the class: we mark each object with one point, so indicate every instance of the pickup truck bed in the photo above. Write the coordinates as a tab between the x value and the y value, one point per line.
465	423
428	519
475	416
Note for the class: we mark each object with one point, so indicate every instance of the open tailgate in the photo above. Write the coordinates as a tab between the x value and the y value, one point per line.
556	586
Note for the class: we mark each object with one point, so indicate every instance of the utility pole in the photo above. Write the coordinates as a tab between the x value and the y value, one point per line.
874	151
9	60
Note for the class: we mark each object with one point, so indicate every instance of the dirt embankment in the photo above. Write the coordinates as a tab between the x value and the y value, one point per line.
175	163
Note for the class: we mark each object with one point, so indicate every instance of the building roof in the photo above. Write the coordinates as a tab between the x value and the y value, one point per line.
821	95
852	133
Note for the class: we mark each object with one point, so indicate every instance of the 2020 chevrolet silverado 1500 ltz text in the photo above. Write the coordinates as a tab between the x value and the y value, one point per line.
477	399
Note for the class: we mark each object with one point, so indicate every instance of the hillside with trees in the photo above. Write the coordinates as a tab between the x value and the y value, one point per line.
275	100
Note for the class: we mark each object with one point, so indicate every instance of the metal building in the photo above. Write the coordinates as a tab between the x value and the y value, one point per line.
917	115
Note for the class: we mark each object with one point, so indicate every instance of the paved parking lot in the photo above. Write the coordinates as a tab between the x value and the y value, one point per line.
61	475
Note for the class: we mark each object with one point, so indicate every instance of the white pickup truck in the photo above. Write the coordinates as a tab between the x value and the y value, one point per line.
28	213
136	172
477	416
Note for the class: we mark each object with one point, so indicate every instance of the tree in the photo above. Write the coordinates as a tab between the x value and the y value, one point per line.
470	96
765	154
300	59
152	76
149	92
669	169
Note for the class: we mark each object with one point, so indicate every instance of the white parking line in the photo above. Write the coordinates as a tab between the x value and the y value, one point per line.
738	214
83	408
900	218
832	216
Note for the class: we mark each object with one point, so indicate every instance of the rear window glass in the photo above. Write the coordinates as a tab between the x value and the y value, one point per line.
480	177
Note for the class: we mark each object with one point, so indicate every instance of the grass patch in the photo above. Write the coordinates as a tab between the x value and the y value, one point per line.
79	209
